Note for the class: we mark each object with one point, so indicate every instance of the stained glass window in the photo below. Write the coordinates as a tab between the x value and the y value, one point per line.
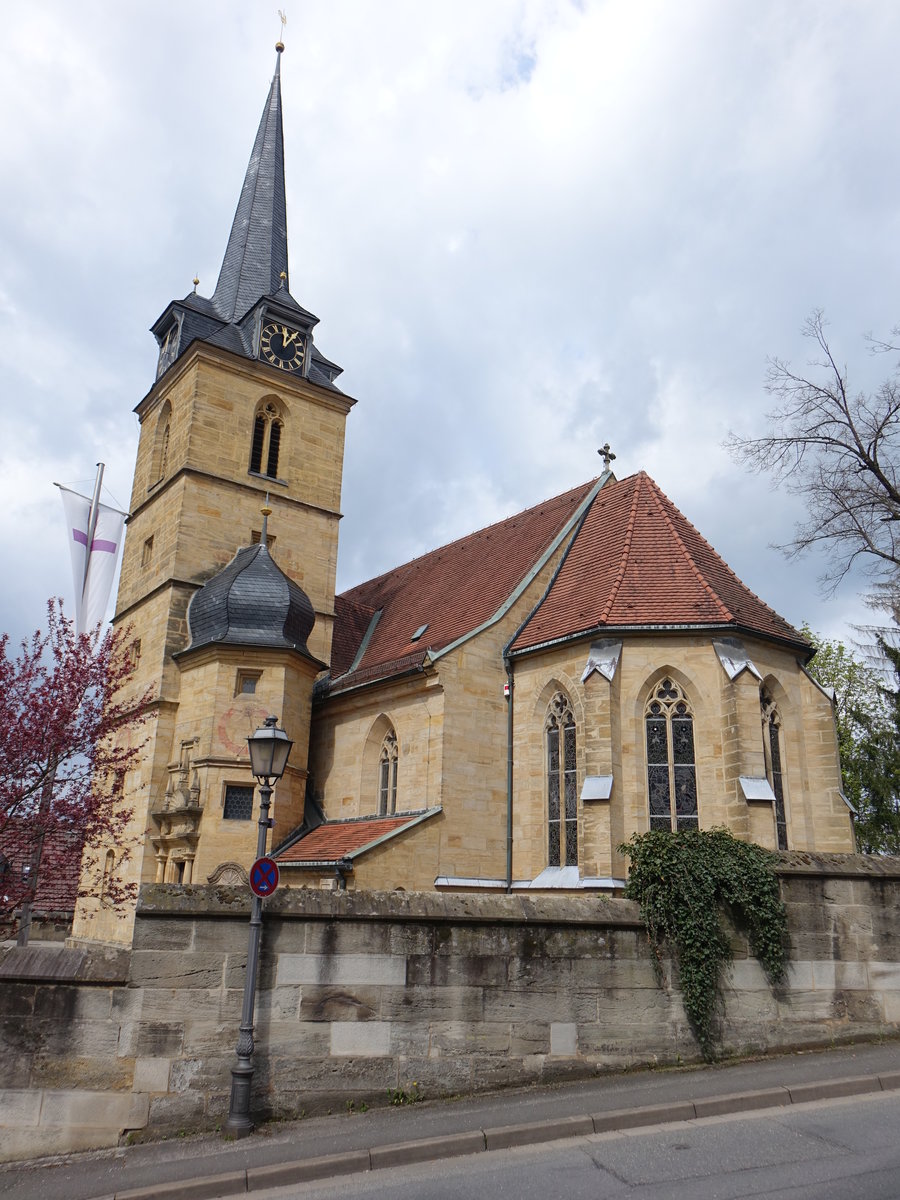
772	747
562	790
387	775
671	770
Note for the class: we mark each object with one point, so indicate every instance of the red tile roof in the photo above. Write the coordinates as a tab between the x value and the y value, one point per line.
637	561
453	590
335	840
60	868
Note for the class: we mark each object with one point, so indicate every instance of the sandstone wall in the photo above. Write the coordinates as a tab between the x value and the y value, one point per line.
362	992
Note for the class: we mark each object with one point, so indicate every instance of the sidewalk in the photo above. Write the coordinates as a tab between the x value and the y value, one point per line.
207	1166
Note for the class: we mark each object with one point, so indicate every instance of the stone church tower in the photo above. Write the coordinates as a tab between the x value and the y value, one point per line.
244	415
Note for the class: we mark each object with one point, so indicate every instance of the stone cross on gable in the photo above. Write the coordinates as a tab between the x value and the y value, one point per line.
607	455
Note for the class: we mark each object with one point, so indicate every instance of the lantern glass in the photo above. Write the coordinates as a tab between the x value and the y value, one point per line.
270	749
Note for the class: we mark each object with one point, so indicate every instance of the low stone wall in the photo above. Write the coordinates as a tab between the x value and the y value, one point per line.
426	993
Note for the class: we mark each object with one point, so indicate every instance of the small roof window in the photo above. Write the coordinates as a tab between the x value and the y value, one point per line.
415	637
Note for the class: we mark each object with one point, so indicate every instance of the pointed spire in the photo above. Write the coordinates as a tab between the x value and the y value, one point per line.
256	256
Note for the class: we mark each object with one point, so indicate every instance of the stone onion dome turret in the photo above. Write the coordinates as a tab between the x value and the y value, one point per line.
251	602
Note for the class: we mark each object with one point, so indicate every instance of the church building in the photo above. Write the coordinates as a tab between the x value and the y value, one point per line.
499	714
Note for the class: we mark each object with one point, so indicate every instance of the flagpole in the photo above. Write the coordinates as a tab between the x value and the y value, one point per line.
92	524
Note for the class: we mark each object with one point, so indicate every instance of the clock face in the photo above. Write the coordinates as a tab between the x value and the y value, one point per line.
281	346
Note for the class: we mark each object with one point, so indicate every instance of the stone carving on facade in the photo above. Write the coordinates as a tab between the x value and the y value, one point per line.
177	820
230	874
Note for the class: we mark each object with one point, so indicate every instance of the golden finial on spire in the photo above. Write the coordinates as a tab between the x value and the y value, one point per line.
266	513
196	283
282	16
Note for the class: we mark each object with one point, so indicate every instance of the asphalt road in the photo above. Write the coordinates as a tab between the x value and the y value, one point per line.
831	1150
378	1148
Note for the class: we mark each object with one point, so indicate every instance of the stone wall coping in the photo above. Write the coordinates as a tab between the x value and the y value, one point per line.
53	963
310	904
216	900
839	866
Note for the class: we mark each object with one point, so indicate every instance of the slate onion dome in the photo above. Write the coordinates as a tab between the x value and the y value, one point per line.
251	602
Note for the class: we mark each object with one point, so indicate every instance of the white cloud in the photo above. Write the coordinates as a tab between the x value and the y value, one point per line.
529	227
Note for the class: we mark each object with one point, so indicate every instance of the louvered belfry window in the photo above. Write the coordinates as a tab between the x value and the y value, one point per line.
671	770
266	445
562	792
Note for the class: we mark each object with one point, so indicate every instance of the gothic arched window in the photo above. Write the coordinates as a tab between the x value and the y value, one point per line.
266	444
771	723
161	443
671	772
562	793
387	775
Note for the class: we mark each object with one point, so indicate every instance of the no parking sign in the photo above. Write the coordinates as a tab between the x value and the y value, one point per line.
264	877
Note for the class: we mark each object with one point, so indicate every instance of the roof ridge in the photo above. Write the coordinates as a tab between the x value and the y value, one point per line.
523	512
657	496
626	550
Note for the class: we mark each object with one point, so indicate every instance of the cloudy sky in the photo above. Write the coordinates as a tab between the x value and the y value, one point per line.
528	227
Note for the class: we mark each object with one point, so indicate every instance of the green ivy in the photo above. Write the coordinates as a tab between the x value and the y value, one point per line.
683	883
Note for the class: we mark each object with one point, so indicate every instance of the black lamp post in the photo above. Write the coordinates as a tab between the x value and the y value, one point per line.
270	748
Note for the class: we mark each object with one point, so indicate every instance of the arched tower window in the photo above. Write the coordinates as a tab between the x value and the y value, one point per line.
387	775
771	723
266	445
671	771
161	443
562	793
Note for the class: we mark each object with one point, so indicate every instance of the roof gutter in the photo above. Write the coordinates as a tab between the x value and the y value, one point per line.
612	630
575	523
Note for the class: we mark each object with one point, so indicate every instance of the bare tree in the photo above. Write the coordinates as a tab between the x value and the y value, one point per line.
839	450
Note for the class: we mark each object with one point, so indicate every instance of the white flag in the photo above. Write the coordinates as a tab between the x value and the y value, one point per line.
93	567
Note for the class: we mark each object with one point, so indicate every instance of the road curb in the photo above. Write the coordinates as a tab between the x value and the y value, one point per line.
503	1137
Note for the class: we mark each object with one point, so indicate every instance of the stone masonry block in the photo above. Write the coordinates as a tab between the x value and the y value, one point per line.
361	1039
119	1110
340	1004
348	969
20	1107
151	1075
563	1038
150	1039
444	970
344	938
160	969
883	976
543	1006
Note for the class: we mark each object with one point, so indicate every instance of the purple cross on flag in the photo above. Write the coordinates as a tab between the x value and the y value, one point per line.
94	566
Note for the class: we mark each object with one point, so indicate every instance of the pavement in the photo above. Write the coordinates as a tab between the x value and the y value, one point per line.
209	1166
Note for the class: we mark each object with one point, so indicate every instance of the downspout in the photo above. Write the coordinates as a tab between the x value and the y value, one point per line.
510	682
510	685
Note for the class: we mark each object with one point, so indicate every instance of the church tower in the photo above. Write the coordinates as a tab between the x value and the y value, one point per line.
243	416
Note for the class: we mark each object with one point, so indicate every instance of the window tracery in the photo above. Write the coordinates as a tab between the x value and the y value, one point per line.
562	792
771	722
266	445
671	770
387	775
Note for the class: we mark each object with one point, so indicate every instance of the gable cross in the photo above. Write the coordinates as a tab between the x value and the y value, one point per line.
607	455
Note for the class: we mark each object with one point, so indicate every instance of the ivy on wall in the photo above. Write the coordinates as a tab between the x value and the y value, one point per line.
685	882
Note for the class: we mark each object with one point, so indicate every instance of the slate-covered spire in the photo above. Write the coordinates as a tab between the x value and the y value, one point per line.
253	283
257	252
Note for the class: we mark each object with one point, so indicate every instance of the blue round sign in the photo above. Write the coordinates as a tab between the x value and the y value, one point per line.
264	877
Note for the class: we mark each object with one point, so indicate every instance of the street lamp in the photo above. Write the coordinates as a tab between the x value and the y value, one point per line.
270	748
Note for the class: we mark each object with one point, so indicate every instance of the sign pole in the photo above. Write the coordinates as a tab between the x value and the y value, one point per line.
238	1122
